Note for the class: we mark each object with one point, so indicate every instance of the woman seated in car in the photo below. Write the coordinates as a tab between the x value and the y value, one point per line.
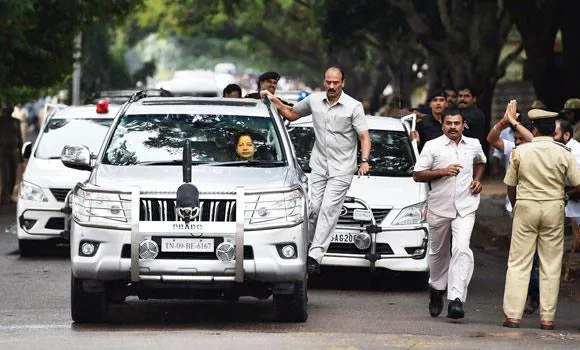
245	147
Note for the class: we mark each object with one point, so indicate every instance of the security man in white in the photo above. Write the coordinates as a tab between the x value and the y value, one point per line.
338	121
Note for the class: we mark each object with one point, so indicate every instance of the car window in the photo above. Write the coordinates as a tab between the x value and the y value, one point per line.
392	154
61	132
160	137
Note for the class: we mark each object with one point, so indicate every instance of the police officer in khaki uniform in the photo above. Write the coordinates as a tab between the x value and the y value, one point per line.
539	169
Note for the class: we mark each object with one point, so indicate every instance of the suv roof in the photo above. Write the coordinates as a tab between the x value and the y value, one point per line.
202	105
374	122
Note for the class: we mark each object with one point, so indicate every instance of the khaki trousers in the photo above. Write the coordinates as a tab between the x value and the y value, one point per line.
538	223
327	196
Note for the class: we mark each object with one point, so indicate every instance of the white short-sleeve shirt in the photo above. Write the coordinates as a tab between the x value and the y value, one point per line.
451	195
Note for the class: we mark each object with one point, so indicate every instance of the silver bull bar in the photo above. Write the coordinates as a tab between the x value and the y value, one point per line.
372	256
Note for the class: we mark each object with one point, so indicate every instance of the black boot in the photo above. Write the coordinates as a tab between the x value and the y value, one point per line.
455	309
435	301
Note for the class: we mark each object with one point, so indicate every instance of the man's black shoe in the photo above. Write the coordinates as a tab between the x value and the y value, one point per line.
455	309
312	266
435	301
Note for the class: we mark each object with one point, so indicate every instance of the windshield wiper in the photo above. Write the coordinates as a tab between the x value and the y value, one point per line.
169	162
251	162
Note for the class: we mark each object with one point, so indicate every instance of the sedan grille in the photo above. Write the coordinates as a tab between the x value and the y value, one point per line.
346	219
163	209
60	193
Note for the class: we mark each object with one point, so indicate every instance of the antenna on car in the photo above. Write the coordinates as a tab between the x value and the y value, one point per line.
187	201
187	161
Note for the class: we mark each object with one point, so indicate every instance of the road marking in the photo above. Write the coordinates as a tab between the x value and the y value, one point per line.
33	326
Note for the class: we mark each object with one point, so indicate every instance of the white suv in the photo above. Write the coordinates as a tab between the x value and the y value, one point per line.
169	212
46	181
397	203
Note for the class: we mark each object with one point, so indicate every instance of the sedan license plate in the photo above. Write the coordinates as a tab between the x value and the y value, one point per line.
188	245
346	237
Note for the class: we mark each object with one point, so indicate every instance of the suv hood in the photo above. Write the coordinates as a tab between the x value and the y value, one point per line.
379	191
51	173
205	178
387	192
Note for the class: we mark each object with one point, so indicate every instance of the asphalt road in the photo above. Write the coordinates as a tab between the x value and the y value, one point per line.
348	309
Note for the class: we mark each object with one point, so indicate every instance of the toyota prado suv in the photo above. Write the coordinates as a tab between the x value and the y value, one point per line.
169	211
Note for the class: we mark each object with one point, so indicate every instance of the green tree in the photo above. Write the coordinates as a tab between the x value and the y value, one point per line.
36	37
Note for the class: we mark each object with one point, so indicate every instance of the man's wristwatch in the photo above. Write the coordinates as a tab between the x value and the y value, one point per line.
364	160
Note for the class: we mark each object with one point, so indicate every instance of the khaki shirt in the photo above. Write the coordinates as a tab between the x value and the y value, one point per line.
451	195
540	168
336	129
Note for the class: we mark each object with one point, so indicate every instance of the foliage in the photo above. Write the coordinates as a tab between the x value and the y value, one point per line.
36	37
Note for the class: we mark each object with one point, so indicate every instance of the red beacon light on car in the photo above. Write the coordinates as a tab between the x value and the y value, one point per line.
103	106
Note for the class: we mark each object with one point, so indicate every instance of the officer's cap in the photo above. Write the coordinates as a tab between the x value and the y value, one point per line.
538	114
537	104
572	103
268	76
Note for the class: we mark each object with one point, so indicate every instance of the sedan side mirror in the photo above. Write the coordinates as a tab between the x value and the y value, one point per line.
26	150
76	157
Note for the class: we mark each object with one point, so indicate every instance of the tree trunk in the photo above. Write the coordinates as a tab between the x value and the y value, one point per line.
571	42
538	26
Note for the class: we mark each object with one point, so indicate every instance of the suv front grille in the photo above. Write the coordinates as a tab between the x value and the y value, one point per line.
59	193
347	219
163	209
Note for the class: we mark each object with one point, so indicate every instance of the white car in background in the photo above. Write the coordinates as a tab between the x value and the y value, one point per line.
46	181
398	203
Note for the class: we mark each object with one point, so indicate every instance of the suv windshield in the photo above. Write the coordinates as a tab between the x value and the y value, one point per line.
158	139
392	154
61	132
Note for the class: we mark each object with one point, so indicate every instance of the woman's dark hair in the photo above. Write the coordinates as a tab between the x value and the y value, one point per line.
239	135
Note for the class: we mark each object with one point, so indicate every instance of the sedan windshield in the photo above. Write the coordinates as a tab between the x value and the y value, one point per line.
61	132
391	155
158	139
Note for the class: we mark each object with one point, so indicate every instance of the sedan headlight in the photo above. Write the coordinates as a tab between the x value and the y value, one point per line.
99	208
274	209
32	192
412	214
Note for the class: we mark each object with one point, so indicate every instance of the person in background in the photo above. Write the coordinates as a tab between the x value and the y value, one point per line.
565	134
429	127
10	152
232	91
474	118
539	171
571	112
451	97
453	164
267	81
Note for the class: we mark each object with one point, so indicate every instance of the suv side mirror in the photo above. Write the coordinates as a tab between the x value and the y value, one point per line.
76	157
26	150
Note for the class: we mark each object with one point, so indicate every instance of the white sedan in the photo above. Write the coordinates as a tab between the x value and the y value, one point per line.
46	181
397	203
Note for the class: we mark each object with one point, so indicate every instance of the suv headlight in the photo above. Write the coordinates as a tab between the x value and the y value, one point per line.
274	209
32	192
103	209
411	215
